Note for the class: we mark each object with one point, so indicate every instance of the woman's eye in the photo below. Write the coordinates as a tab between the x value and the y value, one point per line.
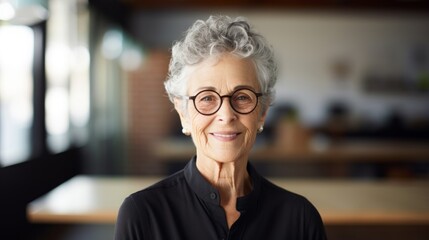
242	98
207	99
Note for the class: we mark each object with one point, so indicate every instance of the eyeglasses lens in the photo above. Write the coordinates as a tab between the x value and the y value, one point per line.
244	101
207	102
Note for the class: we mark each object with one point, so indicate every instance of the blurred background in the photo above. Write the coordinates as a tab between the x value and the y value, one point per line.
81	92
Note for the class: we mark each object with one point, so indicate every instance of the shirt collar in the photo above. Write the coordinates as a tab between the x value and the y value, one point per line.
204	190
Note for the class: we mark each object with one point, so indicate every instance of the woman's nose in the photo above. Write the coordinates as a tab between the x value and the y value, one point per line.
226	112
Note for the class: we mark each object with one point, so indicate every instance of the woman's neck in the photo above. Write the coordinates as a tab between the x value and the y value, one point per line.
231	179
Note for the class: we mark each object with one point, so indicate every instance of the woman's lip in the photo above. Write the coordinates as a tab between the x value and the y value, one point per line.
225	136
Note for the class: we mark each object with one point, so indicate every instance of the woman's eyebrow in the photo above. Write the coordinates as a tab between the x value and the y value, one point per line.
244	86
205	88
234	89
200	89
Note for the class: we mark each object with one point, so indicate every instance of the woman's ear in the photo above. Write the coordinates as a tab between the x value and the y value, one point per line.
178	105
262	117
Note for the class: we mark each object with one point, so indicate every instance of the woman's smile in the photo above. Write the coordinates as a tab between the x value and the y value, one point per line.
225	136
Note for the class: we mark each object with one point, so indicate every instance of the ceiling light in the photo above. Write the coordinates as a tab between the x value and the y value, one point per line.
7	12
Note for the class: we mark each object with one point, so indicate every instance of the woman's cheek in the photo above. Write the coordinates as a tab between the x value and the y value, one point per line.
199	127
250	138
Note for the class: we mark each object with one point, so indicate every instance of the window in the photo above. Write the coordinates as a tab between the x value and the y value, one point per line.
16	93
44	80
67	67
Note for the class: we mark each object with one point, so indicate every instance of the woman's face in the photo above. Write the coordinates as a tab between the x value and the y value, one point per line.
225	136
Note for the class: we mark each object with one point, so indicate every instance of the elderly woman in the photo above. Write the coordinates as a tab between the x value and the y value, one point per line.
221	80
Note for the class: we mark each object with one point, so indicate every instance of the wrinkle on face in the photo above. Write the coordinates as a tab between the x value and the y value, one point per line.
224	75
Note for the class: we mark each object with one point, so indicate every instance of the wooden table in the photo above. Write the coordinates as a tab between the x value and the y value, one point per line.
86	199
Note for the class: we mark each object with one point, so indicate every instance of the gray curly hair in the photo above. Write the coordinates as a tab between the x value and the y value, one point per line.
213	37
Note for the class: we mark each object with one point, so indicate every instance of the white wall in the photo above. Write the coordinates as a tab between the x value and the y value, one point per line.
308	43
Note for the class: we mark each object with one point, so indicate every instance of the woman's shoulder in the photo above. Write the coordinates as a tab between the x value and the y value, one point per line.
132	216
282	195
161	188
282	200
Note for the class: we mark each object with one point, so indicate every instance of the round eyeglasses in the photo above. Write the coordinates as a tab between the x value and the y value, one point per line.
208	102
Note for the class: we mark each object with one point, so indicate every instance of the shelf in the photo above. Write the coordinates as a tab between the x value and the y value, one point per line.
171	150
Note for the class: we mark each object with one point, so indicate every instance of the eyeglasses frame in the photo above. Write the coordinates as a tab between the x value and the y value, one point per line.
221	100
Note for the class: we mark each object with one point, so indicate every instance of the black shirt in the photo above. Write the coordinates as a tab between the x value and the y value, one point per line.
185	206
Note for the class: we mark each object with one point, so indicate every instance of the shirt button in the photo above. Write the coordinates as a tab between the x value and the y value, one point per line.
213	196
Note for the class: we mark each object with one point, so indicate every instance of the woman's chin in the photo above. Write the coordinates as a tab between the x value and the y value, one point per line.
226	155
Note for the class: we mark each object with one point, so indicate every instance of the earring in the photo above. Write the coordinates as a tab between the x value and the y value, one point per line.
186	132
260	129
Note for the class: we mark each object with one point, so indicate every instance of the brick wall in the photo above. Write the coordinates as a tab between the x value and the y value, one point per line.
150	113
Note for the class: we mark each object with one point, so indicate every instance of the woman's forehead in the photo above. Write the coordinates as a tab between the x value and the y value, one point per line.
227	73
